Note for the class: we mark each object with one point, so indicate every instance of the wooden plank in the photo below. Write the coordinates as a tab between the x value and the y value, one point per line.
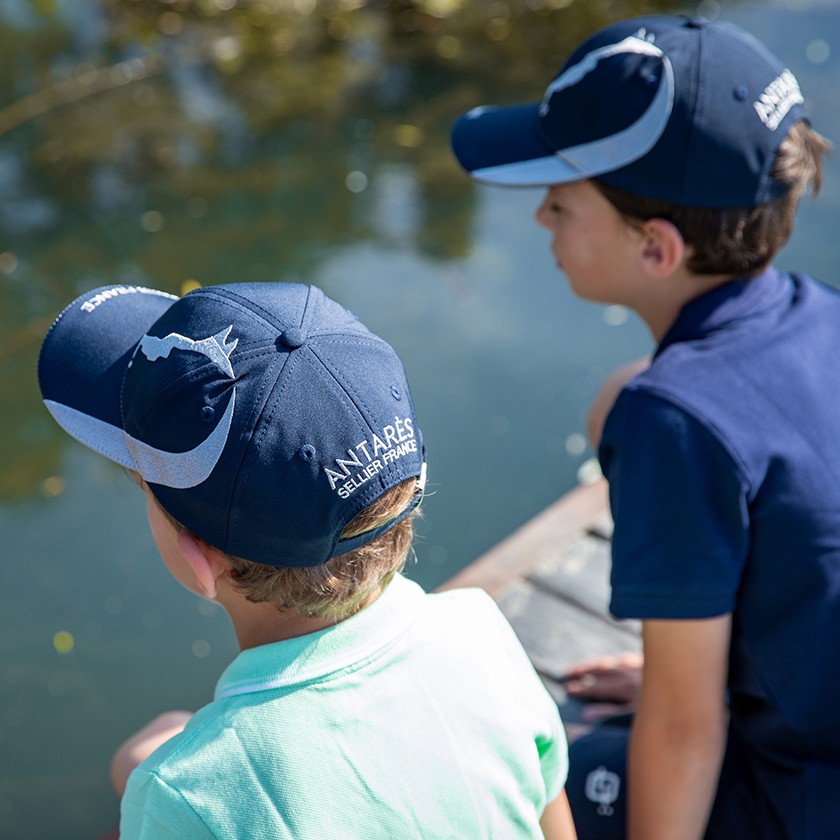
580	575
557	633
551	579
555	529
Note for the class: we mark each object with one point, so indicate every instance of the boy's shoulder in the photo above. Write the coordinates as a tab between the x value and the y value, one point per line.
744	370
738	327
412	673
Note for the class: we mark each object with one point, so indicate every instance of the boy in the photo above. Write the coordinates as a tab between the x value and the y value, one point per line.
275	441
675	151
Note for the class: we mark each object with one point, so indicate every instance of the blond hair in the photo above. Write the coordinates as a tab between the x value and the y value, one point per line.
340	587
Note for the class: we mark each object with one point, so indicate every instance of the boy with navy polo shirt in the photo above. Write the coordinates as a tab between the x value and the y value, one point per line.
675	152
275	441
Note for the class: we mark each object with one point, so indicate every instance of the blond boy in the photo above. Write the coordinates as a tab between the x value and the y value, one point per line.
275	442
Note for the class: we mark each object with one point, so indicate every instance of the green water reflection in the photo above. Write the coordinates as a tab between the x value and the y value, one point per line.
172	142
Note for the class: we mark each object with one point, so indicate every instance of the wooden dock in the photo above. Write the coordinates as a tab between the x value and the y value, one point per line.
551	579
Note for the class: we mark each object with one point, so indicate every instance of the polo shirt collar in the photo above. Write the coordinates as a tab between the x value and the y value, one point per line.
735	301
316	655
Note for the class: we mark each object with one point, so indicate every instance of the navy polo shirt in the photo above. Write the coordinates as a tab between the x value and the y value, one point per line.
723	461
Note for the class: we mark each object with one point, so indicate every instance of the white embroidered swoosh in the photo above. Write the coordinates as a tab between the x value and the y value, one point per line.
157	466
572	75
627	145
596	156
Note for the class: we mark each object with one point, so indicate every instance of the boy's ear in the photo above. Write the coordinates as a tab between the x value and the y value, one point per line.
205	564
663	248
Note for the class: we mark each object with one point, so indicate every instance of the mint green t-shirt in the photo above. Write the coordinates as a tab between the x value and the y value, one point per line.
419	717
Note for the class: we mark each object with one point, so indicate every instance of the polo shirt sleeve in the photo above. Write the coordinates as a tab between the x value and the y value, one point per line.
554	763
549	734
679	502
153	810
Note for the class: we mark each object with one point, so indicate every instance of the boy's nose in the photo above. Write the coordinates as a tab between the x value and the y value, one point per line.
541	214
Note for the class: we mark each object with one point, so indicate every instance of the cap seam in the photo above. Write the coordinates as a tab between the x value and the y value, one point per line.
699	104
374	490
231	298
257	430
351	393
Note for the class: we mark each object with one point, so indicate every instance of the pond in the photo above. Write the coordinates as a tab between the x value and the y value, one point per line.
180	142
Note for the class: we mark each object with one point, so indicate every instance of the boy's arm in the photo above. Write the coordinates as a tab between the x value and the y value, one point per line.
607	395
679	733
556	821
143	743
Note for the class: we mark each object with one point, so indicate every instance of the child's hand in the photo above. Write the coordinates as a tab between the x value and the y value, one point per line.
610	684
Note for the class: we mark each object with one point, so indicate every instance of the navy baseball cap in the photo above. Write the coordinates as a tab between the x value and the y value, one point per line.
263	416
674	108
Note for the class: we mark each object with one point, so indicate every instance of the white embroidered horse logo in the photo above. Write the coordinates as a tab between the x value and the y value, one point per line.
215	348
602	787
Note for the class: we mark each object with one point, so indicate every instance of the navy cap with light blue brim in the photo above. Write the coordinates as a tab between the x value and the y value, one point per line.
264	416
675	108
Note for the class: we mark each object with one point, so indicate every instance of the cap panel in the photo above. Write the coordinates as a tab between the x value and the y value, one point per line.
83	359
179	392
741	120
211	392
284	512
208	509
662	171
336	443
393	443
575	111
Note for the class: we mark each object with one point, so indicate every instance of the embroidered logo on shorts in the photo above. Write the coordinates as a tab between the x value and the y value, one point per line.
602	787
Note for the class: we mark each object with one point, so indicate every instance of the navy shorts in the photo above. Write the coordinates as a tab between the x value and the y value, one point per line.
597	782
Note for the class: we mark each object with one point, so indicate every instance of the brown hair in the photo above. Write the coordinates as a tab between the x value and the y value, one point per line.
737	240
340	587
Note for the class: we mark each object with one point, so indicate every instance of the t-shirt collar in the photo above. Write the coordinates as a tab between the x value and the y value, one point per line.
732	301
316	655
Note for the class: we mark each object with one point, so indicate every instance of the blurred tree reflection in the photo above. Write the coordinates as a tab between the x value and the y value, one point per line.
174	141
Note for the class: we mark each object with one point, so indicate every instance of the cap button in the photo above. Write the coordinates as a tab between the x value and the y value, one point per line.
292	338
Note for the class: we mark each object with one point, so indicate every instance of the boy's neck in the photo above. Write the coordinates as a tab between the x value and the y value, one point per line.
263	624
660	311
